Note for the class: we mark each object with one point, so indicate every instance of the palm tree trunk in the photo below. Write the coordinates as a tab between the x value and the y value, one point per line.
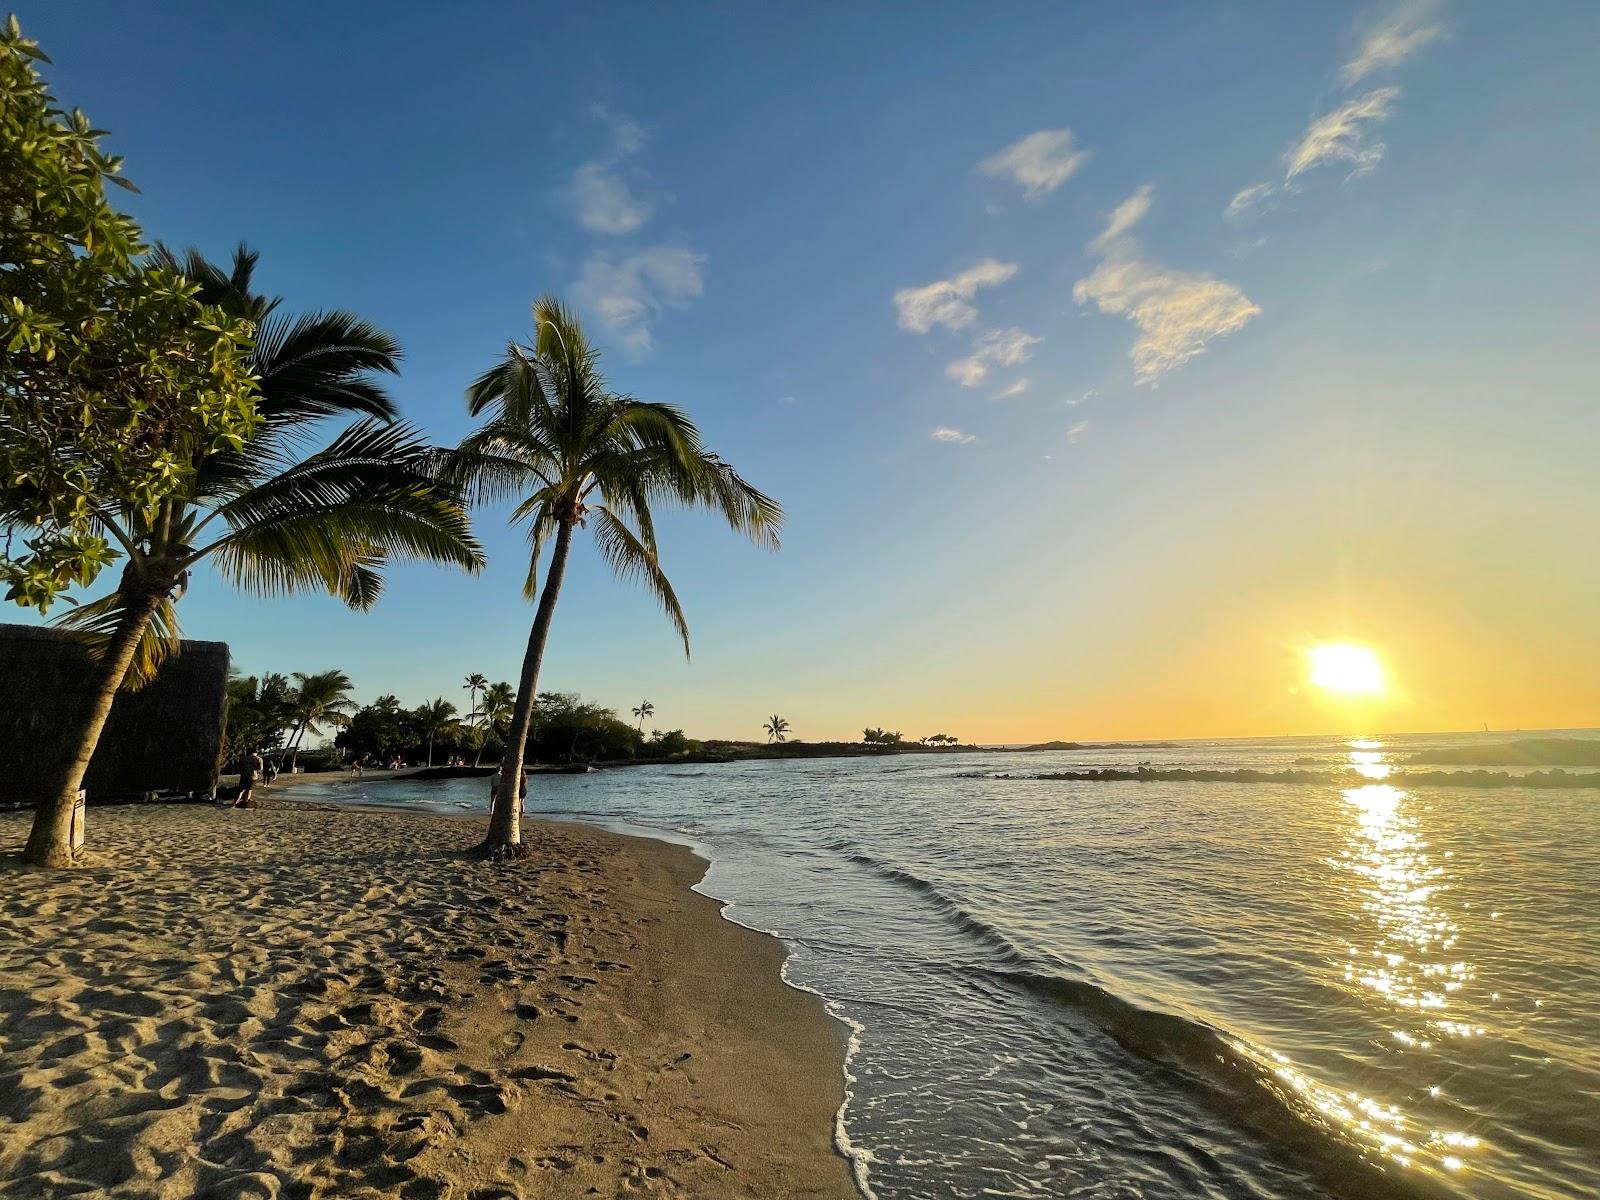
50	841
505	823
430	749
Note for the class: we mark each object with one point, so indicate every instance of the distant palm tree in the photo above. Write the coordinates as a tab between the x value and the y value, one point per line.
271	519
320	699
777	729
499	702
645	709
579	455
434	719
475	683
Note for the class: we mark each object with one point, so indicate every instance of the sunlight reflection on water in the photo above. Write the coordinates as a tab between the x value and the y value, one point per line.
1406	964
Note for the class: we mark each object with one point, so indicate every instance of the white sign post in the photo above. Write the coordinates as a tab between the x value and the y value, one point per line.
77	820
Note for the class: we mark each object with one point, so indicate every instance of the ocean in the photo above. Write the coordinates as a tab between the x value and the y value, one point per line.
1333	986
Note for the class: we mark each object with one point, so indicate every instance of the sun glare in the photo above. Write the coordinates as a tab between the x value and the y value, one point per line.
1345	669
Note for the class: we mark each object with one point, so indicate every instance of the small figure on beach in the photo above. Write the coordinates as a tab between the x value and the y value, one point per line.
249	769
356	767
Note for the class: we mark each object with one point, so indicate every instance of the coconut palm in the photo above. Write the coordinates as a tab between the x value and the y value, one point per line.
475	683
645	709
499	702
435	719
777	729
320	699
580	456
270	517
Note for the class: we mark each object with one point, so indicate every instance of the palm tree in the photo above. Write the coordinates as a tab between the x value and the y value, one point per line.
499	702
578	455
435	718
645	709
320	699
777	729
475	683
269	517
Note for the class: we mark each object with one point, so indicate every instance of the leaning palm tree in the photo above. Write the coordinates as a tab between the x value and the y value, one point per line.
320	699
499	703
475	683
645	709
777	729
435	719
580	456
270	517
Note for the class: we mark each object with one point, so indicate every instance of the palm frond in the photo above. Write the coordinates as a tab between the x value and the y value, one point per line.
630	559
93	624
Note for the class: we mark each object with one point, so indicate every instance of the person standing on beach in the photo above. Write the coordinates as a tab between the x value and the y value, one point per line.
522	794
248	770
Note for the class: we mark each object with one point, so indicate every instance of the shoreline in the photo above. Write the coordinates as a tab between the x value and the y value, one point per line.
329	998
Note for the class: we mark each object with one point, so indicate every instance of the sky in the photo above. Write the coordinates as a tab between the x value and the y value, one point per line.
1105	358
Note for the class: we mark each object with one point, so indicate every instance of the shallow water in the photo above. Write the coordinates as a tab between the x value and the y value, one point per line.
1164	989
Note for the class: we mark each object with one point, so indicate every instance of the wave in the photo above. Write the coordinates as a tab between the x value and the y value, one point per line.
948	907
1555	778
1232	1077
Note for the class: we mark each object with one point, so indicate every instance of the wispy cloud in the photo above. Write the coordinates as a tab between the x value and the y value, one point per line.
1343	135
629	293
1247	200
1124	217
996	348
601	192
1178	313
1077	432
1393	38
1039	163
946	301
1346	133
956	437
1016	389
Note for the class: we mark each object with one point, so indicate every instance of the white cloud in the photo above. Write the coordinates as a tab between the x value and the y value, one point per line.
629	293
1247	199
997	348
601	193
603	201
1016	389
1387	43
1124	217
1177	313
945	301
1039	163
954	436
1342	135
1075	434
1089	395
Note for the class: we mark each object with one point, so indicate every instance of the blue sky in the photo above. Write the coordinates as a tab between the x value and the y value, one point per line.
1356	401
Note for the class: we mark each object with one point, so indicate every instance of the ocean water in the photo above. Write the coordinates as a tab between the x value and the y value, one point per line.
1341	988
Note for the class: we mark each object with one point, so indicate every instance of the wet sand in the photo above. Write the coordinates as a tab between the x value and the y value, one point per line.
298	1002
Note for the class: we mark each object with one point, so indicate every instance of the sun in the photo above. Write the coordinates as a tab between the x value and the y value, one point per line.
1346	669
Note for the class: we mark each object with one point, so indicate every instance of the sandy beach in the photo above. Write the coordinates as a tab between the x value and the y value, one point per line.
299	1002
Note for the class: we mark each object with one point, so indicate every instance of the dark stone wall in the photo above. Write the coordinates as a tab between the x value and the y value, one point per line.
167	736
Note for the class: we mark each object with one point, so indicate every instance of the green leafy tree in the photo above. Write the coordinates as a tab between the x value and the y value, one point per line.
645	709
269	517
258	715
379	729
777	729
577	455
319	699
568	729
436	719
115	376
